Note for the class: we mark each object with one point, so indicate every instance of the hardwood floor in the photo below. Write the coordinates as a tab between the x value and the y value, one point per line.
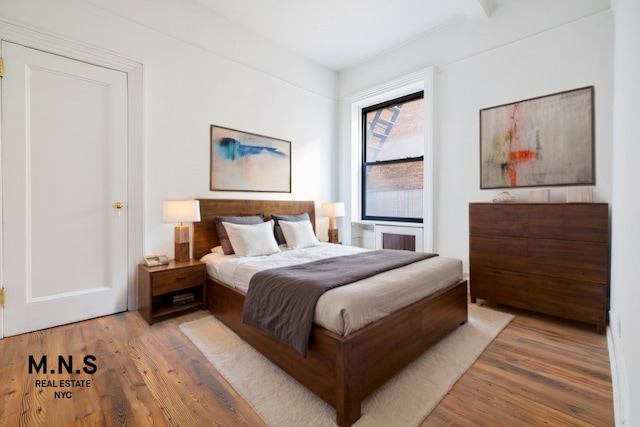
538	371
146	376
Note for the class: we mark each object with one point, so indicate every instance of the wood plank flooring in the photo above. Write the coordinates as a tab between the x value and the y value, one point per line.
539	371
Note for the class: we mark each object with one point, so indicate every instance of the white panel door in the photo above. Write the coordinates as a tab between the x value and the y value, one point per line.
64	164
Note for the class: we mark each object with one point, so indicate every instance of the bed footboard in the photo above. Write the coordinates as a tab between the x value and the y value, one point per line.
344	370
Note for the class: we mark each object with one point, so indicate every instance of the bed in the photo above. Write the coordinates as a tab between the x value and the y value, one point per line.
342	370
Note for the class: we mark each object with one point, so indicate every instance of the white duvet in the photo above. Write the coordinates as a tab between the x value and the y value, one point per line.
345	309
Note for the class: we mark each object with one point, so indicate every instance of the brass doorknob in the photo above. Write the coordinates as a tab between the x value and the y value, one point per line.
118	205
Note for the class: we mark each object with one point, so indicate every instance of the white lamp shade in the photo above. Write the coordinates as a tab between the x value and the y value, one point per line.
181	211
332	209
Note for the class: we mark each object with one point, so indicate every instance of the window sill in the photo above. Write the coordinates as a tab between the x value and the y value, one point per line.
392	223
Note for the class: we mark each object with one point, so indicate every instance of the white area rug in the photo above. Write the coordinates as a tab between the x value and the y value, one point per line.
404	400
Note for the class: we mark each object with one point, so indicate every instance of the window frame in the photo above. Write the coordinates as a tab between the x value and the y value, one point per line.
350	132
365	164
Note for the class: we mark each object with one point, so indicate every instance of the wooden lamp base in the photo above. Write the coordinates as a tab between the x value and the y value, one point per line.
182	252
181	246
333	235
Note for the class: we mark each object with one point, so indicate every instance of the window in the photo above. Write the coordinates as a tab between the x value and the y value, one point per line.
353	186
393	139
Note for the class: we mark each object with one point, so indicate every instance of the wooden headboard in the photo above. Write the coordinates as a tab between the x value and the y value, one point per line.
205	236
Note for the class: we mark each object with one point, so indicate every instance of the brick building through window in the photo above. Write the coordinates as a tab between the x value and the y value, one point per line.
393	160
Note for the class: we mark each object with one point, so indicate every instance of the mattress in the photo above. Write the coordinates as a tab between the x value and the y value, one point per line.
345	309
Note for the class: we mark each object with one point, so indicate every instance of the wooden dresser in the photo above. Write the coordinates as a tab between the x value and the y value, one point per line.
551	258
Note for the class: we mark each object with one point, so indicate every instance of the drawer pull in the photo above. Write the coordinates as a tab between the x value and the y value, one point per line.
184	276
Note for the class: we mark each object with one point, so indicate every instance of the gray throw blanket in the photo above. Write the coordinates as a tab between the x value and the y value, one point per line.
281	301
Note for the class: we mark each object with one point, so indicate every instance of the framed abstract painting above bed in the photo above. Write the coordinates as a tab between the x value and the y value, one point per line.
243	161
543	141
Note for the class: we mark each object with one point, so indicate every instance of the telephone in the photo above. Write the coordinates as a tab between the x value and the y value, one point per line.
155	260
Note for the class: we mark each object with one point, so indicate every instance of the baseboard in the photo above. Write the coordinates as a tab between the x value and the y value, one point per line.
619	383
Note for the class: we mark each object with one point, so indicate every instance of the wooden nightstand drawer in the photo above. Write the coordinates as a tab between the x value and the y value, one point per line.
175	280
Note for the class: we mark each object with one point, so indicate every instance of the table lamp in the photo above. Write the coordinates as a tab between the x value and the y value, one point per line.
332	210
181	211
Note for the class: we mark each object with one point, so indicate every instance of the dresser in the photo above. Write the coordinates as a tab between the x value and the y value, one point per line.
550	258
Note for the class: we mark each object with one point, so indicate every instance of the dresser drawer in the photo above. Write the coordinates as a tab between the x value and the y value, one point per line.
585	261
499	253
175	280
504	287
571	299
498	219
578	222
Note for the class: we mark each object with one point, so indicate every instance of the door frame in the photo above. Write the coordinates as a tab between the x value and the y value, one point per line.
135	147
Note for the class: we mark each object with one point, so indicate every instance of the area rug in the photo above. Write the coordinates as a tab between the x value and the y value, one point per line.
404	400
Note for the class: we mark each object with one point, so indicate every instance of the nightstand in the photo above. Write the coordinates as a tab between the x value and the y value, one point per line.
167	289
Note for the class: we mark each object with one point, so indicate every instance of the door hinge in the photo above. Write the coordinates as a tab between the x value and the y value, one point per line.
1	68
1	297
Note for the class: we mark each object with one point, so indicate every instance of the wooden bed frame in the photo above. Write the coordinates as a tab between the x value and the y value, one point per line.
340	370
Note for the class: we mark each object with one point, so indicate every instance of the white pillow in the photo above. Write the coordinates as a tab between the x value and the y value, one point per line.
298	234
217	250
252	239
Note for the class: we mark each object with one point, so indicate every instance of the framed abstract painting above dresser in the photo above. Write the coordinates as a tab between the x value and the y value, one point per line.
543	141
550	258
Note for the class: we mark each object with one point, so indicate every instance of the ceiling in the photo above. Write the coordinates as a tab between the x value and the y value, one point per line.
339	33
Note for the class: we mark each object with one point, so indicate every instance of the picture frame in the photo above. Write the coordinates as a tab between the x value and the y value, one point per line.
539	142
244	161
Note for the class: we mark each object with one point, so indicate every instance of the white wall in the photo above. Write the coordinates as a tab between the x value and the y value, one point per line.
625	248
572	56
514	60
199	71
